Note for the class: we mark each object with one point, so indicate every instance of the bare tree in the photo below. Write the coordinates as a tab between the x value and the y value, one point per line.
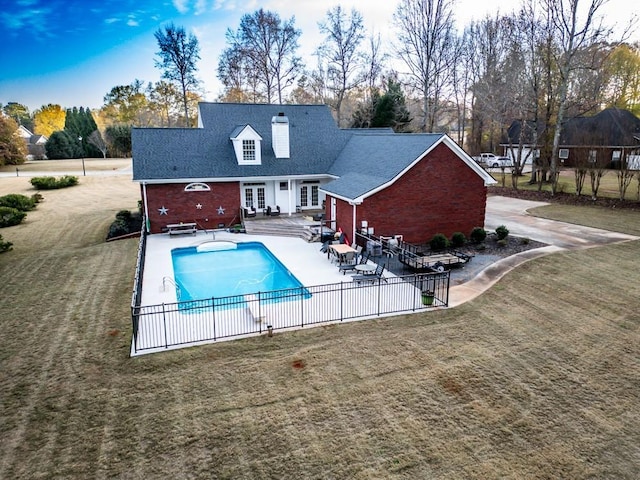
341	52
263	50
178	54
95	139
576	31
425	45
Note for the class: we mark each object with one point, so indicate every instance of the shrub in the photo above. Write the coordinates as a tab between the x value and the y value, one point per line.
10	217
18	201
124	215
502	242
125	223
118	228
502	232
524	241
52	183
458	239
478	234
439	242
5	246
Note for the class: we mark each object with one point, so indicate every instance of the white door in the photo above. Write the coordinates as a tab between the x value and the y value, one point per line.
254	196
309	196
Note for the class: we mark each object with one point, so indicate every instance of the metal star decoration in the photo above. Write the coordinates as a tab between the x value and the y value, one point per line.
163	210
199	206
220	210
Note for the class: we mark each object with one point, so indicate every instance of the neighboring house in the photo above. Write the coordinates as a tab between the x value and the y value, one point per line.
295	157
608	139
35	144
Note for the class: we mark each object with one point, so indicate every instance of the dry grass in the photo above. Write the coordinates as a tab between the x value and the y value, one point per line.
566	183
537	378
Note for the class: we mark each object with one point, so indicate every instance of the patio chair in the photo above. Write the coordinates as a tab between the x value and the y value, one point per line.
361	259
377	275
249	212
273	211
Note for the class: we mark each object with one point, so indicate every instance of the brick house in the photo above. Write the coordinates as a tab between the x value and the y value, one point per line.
609	139
296	159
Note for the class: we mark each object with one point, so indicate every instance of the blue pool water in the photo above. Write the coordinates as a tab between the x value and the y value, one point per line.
222	269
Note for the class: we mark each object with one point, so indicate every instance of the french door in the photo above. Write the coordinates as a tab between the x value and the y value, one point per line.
254	196
309	196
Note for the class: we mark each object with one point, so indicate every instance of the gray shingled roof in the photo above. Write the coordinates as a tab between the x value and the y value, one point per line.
362	160
369	161
207	153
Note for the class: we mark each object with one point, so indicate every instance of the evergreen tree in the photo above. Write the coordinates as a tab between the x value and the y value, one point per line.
62	145
119	139
390	110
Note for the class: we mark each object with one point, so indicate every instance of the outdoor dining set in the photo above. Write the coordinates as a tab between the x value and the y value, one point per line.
354	261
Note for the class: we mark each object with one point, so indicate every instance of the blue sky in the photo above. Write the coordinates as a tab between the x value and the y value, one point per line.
72	52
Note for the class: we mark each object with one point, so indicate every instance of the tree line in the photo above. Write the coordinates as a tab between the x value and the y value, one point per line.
543	63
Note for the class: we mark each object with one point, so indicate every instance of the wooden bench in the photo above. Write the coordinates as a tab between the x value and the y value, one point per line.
177	228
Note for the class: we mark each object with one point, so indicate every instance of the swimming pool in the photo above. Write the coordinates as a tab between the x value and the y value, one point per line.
224	269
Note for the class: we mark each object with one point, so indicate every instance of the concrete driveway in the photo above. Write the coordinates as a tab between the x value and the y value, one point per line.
559	236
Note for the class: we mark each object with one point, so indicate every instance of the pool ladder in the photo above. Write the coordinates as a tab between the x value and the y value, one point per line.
170	280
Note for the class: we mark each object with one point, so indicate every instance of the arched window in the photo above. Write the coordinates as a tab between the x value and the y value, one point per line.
197	187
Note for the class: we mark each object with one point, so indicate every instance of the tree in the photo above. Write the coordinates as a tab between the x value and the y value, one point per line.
425	45
340	51
390	109
48	119
179	54
126	104
164	101
119	140
62	144
19	113
79	124
262	55
623	68
575	33
97	141
13	150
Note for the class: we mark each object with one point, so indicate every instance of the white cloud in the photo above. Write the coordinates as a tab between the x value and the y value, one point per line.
181	6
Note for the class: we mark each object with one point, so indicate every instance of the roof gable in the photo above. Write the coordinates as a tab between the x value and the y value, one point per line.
369	164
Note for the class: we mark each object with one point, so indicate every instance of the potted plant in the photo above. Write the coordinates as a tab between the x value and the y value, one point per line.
427	297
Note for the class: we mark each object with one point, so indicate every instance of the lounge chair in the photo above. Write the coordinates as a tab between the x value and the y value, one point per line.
372	277
249	212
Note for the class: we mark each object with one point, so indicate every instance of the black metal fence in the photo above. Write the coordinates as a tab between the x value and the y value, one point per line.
158	327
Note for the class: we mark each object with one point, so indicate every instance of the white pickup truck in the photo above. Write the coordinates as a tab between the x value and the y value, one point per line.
492	161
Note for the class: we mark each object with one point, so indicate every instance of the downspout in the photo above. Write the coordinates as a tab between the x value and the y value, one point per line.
353	225
146	206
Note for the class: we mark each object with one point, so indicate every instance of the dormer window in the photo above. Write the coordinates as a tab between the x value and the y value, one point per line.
249	150
246	145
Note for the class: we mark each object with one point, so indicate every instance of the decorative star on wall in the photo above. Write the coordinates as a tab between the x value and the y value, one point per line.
199	206
220	210
163	210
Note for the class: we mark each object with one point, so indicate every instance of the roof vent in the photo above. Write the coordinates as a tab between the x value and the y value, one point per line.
280	135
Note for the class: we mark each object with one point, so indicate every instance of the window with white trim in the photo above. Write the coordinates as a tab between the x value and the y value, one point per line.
197	187
249	150
563	153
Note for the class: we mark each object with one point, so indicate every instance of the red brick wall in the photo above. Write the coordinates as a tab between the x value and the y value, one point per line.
440	194
181	205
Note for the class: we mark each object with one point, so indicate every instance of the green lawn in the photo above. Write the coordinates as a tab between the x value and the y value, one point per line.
537	378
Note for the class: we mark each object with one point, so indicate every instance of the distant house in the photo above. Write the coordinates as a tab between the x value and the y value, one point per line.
610	139
294	158
35	143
